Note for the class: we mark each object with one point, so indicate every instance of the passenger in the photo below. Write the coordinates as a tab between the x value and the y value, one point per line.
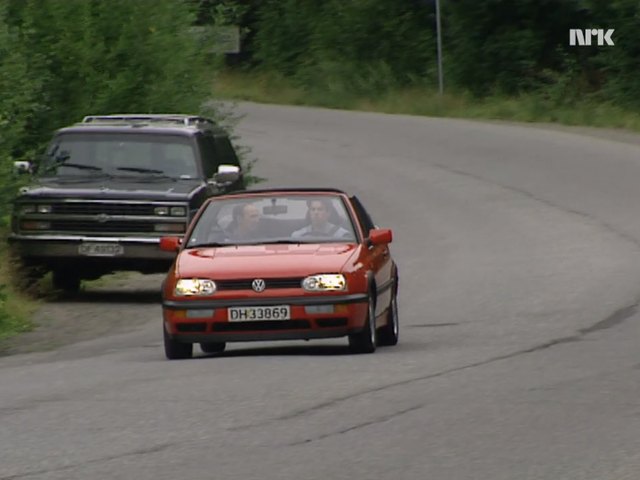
245	223
319	212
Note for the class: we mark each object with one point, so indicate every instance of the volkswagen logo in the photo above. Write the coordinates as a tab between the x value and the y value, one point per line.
102	218
258	285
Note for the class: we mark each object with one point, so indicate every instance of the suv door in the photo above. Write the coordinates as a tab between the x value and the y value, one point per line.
217	150
208	155
226	155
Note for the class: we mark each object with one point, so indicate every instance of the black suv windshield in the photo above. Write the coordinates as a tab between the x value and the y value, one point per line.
120	154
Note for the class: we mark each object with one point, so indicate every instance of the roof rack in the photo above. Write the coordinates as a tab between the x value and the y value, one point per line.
159	117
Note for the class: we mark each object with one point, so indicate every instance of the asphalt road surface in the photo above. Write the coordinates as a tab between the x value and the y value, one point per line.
519	359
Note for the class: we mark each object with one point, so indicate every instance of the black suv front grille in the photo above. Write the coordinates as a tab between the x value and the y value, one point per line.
103	218
115	226
90	208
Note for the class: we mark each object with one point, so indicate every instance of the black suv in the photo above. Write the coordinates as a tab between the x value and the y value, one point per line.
109	187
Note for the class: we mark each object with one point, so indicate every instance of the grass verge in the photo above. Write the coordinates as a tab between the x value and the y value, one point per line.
16	306
21	297
273	88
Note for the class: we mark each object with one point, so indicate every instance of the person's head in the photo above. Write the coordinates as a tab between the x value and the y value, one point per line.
319	211
246	218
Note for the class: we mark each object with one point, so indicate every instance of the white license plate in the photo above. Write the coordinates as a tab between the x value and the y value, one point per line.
100	249
248	314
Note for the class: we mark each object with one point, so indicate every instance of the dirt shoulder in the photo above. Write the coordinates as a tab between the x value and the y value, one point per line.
109	306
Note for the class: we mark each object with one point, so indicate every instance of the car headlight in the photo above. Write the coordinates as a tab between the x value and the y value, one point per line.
27	208
42	208
194	286
178	211
324	282
164	211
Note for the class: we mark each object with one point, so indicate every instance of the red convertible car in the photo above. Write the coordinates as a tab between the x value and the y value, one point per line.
285	264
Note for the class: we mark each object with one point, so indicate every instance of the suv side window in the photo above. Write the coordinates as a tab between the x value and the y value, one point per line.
209	155
225	151
363	216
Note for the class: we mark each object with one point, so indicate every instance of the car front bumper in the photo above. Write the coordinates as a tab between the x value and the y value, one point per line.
349	316
51	246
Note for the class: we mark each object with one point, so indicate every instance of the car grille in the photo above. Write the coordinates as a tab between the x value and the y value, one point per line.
102	218
118	226
261	325
332	322
91	208
191	327
245	283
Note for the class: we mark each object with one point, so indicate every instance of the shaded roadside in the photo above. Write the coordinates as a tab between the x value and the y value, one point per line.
102	308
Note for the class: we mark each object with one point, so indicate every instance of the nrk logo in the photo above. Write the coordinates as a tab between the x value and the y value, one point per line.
582	37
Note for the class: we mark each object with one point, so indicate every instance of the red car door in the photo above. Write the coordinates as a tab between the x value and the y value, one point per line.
378	259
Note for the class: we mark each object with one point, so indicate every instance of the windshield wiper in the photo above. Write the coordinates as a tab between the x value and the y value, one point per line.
81	166
141	170
280	242
155	175
210	244
51	170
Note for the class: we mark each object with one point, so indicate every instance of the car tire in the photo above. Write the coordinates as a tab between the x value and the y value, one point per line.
67	281
175	350
213	347
389	334
365	341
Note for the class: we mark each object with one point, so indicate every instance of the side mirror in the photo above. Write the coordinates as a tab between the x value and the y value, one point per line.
380	236
170	244
226	175
21	167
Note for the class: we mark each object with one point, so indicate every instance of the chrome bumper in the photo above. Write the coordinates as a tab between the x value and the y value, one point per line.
49	246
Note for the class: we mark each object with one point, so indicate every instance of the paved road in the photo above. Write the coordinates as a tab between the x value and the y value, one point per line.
519	254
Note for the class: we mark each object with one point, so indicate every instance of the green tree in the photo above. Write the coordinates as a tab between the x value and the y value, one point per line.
61	60
360	46
372	45
615	69
285	32
18	103
505	46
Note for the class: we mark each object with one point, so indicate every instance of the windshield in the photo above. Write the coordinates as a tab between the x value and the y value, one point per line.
273	219
120	155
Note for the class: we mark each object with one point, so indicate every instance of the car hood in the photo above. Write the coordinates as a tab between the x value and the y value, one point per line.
269	261
108	188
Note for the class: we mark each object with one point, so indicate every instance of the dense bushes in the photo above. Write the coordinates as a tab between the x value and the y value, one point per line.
60	60
491	47
359	47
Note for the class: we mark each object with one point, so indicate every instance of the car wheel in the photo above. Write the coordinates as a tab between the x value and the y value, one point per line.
388	335
64	280
213	347
365	341
175	350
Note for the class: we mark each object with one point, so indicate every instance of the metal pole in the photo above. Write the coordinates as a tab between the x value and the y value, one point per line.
440	79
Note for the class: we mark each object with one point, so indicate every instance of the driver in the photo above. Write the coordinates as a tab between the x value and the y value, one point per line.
246	219
319	211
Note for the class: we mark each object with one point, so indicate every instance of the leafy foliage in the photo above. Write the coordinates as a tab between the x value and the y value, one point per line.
616	68
360	47
60	61
504	46
491	47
